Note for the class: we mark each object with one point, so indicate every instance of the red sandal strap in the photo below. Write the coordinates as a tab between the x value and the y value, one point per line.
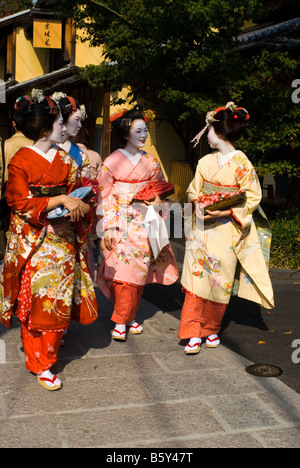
214	339
120	333
135	326
45	379
192	346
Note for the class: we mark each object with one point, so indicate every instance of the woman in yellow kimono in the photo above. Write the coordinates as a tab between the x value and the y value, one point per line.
220	240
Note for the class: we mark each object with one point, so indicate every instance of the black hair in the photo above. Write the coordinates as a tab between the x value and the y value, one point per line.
231	124
35	120
123	124
67	108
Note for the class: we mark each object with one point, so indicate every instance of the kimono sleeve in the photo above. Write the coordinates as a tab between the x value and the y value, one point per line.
194	190
20	199
247	179
156	171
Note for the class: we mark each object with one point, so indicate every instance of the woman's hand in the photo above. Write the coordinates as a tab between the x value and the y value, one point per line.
156	201
210	215
109	239
216	214
77	208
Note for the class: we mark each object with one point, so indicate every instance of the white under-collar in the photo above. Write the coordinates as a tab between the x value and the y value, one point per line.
49	156
133	159
223	159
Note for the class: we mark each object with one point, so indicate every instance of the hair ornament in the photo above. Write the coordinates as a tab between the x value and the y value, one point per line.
57	96
210	117
83	111
149	115
37	96
17	100
28	98
231	105
117	115
246	112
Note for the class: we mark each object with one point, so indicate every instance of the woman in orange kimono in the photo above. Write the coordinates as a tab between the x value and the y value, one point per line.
128	262
45	281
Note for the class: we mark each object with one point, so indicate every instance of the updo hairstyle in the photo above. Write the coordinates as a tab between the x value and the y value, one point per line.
67	106
230	124
123	124
35	119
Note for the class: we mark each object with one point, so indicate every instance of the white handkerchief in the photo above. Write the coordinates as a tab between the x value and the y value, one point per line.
157	231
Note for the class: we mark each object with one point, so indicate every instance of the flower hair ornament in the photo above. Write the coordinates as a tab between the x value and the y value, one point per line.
83	111
210	117
57	96
37	96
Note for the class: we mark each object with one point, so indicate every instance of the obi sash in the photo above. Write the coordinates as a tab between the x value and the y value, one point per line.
48	190
208	188
125	191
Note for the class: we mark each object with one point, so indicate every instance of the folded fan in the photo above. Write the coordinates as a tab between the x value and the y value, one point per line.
160	187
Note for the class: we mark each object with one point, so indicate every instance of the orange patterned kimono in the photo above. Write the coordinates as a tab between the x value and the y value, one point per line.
45	280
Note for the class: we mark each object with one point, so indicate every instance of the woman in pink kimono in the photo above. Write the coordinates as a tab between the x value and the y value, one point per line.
128	262
225	238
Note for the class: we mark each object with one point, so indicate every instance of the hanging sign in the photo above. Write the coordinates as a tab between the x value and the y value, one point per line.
47	33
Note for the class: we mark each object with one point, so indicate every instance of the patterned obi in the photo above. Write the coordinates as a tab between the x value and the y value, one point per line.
208	188
125	191
48	190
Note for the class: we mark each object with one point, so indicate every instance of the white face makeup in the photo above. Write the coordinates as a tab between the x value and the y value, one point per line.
213	139
58	130
73	125
138	134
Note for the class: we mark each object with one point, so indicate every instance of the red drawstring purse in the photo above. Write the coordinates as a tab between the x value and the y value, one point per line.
160	187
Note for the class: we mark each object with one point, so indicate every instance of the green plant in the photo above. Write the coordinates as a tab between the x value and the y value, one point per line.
285	247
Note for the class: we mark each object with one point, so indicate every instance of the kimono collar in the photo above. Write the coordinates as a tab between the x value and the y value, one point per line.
133	159
223	159
49	156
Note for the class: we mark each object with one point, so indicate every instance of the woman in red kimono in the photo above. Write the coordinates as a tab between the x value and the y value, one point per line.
45	281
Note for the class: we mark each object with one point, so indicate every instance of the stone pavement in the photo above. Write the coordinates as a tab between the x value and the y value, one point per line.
144	393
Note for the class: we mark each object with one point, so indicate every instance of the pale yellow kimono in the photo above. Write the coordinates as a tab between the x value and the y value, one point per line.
214	250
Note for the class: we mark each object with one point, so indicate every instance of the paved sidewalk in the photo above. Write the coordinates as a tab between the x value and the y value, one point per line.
142	393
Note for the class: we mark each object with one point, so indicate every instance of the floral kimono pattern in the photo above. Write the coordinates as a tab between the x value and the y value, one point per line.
213	251
45	280
131	261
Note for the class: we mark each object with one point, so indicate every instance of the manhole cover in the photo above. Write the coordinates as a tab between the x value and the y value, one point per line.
264	370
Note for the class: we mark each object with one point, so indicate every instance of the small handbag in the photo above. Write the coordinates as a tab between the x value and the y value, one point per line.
220	200
160	187
57	215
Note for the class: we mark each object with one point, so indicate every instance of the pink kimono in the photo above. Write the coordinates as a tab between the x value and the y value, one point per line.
131	261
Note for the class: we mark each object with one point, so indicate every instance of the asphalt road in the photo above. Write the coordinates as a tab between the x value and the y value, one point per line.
262	336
